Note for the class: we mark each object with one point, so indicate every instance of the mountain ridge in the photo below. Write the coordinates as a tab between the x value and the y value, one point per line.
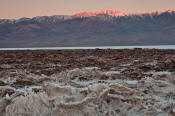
98	13
102	29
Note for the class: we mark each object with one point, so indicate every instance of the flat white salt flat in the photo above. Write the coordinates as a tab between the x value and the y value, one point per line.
111	72
131	81
173	110
91	68
160	72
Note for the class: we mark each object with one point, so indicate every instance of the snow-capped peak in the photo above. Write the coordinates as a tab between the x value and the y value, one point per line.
117	13
105	12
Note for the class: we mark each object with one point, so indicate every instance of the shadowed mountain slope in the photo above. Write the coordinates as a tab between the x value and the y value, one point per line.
104	28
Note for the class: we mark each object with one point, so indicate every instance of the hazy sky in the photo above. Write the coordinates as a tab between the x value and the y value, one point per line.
31	8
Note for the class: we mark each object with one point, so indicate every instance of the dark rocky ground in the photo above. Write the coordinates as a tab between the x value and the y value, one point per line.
132	63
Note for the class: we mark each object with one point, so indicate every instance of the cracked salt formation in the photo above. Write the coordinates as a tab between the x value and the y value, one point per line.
34	84
68	94
8	80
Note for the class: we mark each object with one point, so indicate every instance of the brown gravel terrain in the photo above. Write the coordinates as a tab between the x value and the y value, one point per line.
127	82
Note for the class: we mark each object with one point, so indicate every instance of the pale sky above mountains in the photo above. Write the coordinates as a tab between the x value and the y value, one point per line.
12	9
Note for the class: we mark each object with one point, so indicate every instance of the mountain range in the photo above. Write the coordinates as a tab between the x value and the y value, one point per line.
103	28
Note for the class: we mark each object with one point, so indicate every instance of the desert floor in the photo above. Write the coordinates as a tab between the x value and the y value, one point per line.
128	82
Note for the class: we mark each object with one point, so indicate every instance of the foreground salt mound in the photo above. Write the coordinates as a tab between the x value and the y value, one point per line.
81	92
32	104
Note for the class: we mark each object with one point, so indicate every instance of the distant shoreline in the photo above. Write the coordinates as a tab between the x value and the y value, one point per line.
97	47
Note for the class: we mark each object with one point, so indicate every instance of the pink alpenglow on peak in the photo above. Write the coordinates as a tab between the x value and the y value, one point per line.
118	13
105	12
